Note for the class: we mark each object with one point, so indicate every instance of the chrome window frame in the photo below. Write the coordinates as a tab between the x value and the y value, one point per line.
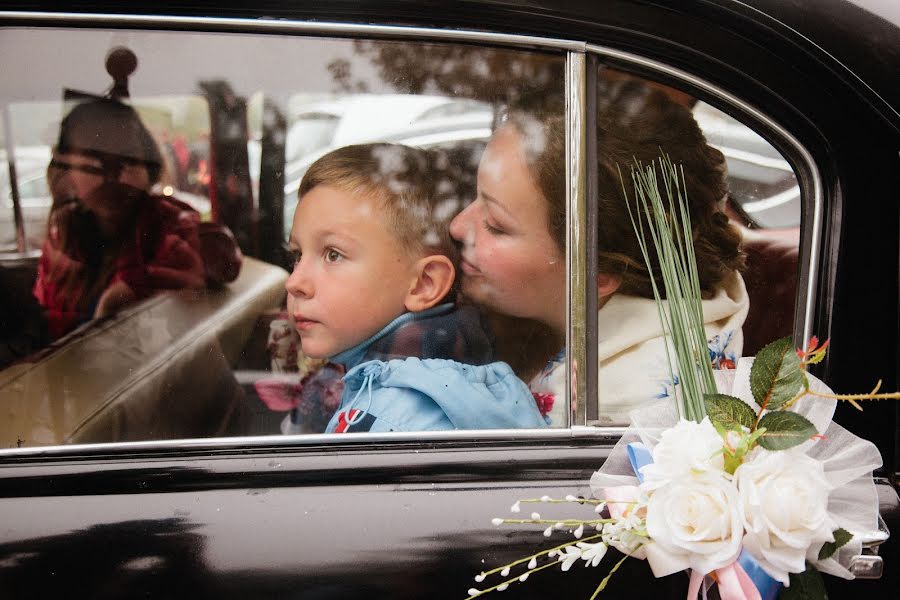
577	336
578	81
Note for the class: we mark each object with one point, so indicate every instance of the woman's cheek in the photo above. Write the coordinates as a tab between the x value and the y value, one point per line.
496	265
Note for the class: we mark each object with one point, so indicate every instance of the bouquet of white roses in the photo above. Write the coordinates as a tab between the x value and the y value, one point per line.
752	497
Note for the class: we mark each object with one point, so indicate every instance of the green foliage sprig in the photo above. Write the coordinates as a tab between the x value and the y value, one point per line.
669	229
777	381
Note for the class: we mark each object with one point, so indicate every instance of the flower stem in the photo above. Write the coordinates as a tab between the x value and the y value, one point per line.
539	554
512	580
575	522
851	398
561	501
606	579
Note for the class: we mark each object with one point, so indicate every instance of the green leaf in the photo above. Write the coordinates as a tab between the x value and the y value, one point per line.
841	537
728	411
785	429
807	585
776	375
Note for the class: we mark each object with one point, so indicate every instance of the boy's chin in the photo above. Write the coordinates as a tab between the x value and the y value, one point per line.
316	352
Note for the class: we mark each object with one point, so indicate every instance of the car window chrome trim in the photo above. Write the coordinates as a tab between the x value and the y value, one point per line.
815	229
576	245
591	235
18	217
288	26
601	435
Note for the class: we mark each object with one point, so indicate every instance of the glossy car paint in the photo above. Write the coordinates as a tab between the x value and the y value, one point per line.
412	519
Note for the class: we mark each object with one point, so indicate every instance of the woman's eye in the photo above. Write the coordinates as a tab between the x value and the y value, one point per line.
493	229
332	255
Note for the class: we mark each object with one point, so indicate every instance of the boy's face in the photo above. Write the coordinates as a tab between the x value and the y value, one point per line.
351	276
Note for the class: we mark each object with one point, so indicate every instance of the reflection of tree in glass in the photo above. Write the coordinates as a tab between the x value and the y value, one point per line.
525	80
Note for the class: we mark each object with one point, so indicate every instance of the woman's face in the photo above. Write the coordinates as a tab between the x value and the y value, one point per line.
510	262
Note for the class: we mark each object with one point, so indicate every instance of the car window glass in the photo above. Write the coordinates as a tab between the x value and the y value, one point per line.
745	208
761	183
159	323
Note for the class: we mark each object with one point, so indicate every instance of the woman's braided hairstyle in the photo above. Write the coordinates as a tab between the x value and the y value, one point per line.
637	122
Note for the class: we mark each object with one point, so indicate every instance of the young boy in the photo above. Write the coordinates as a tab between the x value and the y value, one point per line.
372	289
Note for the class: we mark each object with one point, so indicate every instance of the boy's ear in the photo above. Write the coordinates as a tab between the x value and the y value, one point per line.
434	278
607	285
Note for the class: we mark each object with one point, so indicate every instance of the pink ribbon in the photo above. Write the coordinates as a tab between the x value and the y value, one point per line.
734	584
619	498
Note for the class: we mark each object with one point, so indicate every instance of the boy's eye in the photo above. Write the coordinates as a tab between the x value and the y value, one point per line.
295	255
332	255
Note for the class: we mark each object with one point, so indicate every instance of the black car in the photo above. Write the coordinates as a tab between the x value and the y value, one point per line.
136	459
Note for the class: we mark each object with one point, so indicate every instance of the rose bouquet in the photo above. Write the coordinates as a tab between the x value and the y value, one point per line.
744	480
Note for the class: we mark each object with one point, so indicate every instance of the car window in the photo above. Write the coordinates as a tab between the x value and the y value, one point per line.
761	183
173	322
745	206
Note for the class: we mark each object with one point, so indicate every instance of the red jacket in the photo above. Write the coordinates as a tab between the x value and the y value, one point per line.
166	234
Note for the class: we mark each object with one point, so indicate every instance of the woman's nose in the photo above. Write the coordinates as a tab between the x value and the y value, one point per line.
460	227
299	283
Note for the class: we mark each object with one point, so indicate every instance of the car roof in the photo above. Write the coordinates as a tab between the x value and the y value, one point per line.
862	36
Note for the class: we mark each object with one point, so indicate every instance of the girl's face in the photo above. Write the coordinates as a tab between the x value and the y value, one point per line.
510	262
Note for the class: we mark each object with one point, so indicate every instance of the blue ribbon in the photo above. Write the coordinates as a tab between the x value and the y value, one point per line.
639	455
768	588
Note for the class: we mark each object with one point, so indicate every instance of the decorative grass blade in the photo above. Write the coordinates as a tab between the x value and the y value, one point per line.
681	315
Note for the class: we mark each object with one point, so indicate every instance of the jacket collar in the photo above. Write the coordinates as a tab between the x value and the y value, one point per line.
357	354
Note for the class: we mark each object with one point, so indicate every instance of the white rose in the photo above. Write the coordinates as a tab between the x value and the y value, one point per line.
784	499
696	522
685	450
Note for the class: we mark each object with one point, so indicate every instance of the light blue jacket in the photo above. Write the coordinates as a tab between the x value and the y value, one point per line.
429	394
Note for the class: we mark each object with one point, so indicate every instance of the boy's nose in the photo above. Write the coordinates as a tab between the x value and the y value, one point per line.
298	282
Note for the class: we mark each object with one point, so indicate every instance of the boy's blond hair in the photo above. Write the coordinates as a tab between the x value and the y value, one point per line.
417	189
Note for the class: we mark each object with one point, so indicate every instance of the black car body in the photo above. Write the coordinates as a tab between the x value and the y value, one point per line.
409	515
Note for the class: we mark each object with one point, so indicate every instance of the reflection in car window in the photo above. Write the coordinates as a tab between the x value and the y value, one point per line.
745	209
761	183
199	347
310	131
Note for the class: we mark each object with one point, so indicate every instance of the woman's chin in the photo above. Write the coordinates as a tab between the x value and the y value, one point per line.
473	288
477	291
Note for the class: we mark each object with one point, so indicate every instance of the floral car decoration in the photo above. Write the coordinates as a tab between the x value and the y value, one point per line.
744	480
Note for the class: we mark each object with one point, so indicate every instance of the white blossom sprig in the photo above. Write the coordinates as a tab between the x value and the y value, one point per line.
626	532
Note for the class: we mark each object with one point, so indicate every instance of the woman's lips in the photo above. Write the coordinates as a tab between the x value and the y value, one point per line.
468	268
